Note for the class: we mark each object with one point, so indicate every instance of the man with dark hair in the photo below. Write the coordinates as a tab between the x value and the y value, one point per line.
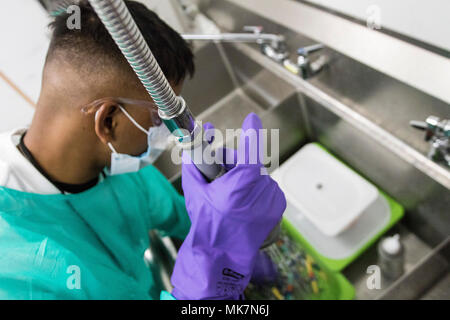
83	66
69	228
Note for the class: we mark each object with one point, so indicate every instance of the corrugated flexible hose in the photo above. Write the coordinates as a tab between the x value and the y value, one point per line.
176	115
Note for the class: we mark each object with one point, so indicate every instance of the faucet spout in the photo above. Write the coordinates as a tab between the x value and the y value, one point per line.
437	131
237	37
273	45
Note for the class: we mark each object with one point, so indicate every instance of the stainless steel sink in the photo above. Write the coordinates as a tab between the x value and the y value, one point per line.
235	79
215	95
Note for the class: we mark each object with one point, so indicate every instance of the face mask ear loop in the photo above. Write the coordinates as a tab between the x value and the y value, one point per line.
134	121
111	147
109	143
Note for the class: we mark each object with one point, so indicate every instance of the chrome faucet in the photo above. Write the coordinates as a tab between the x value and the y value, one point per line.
437	131
310	67
305	66
272	45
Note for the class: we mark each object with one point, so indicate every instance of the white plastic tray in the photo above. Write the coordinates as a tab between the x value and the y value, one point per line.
324	190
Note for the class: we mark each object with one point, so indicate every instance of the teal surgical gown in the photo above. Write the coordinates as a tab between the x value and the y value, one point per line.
88	245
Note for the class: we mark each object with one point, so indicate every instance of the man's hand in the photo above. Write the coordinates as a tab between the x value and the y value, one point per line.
231	217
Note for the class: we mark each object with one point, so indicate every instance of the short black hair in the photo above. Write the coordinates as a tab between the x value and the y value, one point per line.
93	41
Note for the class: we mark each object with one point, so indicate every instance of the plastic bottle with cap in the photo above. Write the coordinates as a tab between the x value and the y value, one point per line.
391	257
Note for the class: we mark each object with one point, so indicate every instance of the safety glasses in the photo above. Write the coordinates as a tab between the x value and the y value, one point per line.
125	103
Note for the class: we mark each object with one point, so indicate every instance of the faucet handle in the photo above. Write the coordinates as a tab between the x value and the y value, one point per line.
432	122
254	29
305	51
420	125
311	68
438	131
433	126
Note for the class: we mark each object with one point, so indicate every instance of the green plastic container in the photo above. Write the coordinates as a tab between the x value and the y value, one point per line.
334	286
313	279
396	213
340	264
330	283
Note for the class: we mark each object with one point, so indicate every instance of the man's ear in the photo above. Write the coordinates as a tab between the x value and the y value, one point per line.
106	121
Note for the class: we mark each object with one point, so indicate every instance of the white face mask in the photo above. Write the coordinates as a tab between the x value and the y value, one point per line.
158	139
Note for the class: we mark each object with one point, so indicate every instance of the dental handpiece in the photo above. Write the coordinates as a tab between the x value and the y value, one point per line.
172	109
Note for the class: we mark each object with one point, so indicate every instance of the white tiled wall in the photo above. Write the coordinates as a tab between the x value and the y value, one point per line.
24	41
14	110
24	37
169	11
427	21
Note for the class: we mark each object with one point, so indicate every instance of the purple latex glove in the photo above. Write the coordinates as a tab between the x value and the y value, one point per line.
231	217
265	270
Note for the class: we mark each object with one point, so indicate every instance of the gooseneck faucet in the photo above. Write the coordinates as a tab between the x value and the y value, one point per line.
272	45
437	131
172	109
254	34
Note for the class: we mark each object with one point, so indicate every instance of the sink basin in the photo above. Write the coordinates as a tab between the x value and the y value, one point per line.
326	191
336	212
223	92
